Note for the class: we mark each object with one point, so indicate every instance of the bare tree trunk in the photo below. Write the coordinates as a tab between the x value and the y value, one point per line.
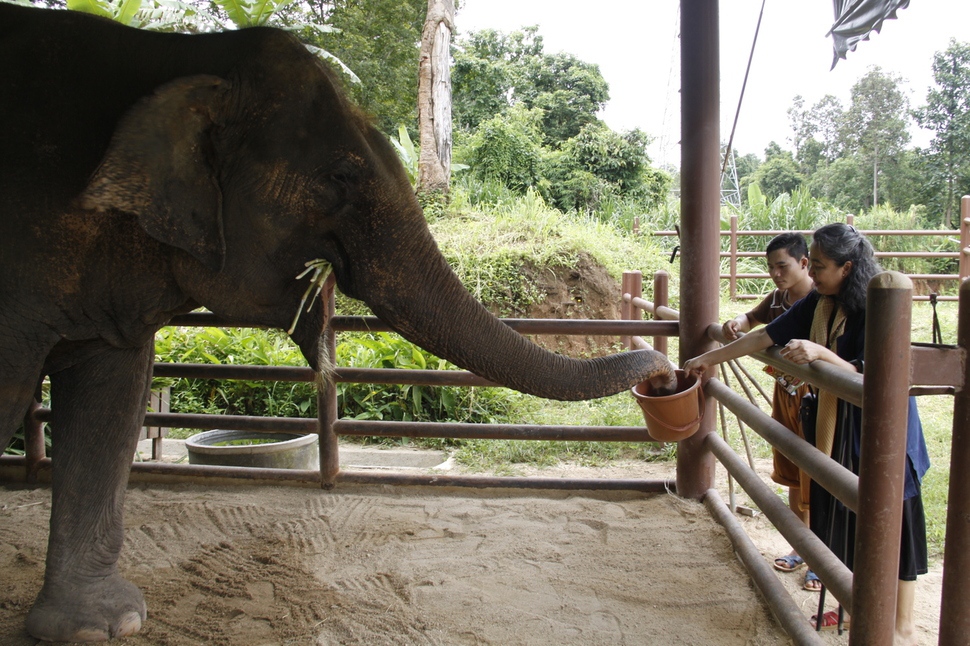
434	97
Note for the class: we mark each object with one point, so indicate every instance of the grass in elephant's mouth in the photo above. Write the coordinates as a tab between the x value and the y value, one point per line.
321	270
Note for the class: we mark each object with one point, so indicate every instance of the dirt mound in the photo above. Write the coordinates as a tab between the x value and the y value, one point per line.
584	291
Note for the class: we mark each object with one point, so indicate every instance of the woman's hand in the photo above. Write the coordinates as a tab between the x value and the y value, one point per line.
801	351
697	365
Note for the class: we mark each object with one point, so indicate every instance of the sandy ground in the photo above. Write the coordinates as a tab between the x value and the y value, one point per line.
381	565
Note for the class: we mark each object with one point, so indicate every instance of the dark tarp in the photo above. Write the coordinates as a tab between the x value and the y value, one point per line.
855	19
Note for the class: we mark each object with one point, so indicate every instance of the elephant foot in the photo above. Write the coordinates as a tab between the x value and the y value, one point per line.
91	612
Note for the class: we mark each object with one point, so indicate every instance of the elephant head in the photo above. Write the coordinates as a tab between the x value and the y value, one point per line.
252	173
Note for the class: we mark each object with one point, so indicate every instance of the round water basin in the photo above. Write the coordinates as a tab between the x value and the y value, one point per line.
250	449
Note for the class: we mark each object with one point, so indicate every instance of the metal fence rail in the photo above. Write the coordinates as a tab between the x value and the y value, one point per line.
734	234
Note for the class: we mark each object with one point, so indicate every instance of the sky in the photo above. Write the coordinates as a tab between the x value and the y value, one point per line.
636	45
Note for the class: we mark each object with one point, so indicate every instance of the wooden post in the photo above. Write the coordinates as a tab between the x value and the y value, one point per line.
35	448
632	284
734	258
955	609
434	97
964	237
882	462
661	297
327	400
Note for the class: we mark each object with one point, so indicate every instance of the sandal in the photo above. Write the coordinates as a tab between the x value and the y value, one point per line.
830	621
789	563
812	582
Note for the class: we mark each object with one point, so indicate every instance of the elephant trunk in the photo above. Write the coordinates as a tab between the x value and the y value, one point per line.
428	305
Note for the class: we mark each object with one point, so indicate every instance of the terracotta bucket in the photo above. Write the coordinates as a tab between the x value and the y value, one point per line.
672	418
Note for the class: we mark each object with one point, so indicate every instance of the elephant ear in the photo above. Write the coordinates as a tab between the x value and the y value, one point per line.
160	167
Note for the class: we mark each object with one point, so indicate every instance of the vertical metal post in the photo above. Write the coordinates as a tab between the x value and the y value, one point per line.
965	237
661	297
882	465
35	448
700	226
327	403
955	609
628	312
734	258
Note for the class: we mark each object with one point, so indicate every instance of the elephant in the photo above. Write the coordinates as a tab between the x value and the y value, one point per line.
144	175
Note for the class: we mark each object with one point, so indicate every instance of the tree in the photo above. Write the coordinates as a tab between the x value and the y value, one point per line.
488	65
816	128
779	174
377	39
875	125
507	149
434	97
494	71
568	91
947	115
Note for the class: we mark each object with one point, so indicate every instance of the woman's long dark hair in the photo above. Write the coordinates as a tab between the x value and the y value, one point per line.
842	243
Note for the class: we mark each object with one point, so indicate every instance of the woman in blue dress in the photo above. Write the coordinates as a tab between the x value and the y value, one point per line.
829	325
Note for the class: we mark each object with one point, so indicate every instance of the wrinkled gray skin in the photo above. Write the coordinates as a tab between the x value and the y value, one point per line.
143	175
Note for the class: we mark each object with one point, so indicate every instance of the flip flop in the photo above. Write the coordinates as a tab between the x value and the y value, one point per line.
789	563
830	621
811	577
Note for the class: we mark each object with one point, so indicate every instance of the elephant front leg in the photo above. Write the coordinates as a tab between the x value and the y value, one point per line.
97	408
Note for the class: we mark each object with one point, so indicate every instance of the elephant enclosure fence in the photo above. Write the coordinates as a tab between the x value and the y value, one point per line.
934	371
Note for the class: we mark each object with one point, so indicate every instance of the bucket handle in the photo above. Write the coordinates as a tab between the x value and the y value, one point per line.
701	402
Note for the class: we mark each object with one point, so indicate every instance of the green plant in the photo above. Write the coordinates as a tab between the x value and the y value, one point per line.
412	402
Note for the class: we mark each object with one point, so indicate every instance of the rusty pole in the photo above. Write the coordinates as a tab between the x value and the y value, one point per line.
965	237
955	609
661	297
882	462
35	449
327	401
700	217
633	285
734	258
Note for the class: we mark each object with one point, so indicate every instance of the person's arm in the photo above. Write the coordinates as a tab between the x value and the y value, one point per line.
746	322
747	344
801	351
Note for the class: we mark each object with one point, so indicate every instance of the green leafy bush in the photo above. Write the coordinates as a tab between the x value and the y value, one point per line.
507	149
407	402
288	399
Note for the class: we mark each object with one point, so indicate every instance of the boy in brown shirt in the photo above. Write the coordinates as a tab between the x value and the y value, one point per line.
788	266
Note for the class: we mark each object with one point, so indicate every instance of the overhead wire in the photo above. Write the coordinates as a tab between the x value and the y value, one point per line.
744	84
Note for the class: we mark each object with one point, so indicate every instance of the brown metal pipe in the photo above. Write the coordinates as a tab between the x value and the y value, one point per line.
832	571
483	482
412	377
353	427
35	447
631	285
955	608
882	462
523	326
661	296
233	422
226	371
700	197
779	601
327	410
842	483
